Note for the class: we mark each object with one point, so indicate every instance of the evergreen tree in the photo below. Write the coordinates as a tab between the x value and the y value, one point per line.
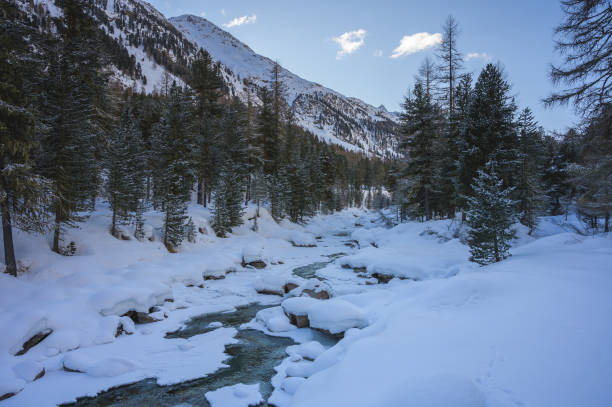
23	193
73	93
420	132
229	189
125	164
174	141
266	127
207	83
490	217
490	130
254	152
228	209
190	232
529	193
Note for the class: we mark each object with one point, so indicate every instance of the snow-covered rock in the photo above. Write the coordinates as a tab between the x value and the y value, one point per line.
274	319
291	384
29	370
336	316
302	239
308	350
296	309
238	395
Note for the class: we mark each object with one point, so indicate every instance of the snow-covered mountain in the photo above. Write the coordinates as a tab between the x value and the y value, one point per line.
330	115
144	45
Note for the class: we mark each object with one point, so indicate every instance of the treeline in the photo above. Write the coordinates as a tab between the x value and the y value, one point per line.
468	148
70	136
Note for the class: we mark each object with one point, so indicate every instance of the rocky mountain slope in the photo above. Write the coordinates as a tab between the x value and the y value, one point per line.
144	46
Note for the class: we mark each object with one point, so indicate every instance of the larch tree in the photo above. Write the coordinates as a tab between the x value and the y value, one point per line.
584	40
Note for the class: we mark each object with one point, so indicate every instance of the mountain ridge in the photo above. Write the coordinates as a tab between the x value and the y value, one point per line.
147	45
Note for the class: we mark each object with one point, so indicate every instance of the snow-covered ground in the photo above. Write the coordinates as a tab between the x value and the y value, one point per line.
533	330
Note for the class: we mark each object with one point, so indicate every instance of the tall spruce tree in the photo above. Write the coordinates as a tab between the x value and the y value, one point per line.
207	84
125	158
528	192
174	177
420	132
230	186
73	92
490	130
490	217
23	193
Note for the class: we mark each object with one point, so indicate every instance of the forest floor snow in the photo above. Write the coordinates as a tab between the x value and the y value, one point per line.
533	330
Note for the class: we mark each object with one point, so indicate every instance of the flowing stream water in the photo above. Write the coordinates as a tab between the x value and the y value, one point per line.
252	360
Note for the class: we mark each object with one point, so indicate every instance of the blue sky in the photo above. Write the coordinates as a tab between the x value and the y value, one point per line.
306	38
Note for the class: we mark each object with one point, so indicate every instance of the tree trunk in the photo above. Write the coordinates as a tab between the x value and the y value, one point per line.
427	214
247	197
56	236
7	235
199	193
114	225
607	223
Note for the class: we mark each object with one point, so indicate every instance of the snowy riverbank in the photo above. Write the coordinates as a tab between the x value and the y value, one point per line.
533	330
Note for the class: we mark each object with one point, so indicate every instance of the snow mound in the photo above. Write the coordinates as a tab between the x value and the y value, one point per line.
291	384
238	395
309	350
252	253
274	319
298	305
28	370
108	367
336	316
440	390
302	239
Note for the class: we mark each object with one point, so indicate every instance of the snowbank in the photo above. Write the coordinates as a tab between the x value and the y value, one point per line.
238	395
336	316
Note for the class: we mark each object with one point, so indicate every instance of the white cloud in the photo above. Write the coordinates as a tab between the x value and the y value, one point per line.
475	55
378	53
409	44
240	21
349	42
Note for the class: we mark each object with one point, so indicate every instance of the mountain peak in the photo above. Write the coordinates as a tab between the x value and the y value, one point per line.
347	121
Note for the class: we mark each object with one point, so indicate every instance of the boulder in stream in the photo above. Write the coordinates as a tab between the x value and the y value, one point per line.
296	309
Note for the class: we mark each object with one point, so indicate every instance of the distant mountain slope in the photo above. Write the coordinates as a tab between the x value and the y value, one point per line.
342	120
144	46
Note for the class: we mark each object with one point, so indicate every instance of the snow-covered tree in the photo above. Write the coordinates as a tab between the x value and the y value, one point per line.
490	217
